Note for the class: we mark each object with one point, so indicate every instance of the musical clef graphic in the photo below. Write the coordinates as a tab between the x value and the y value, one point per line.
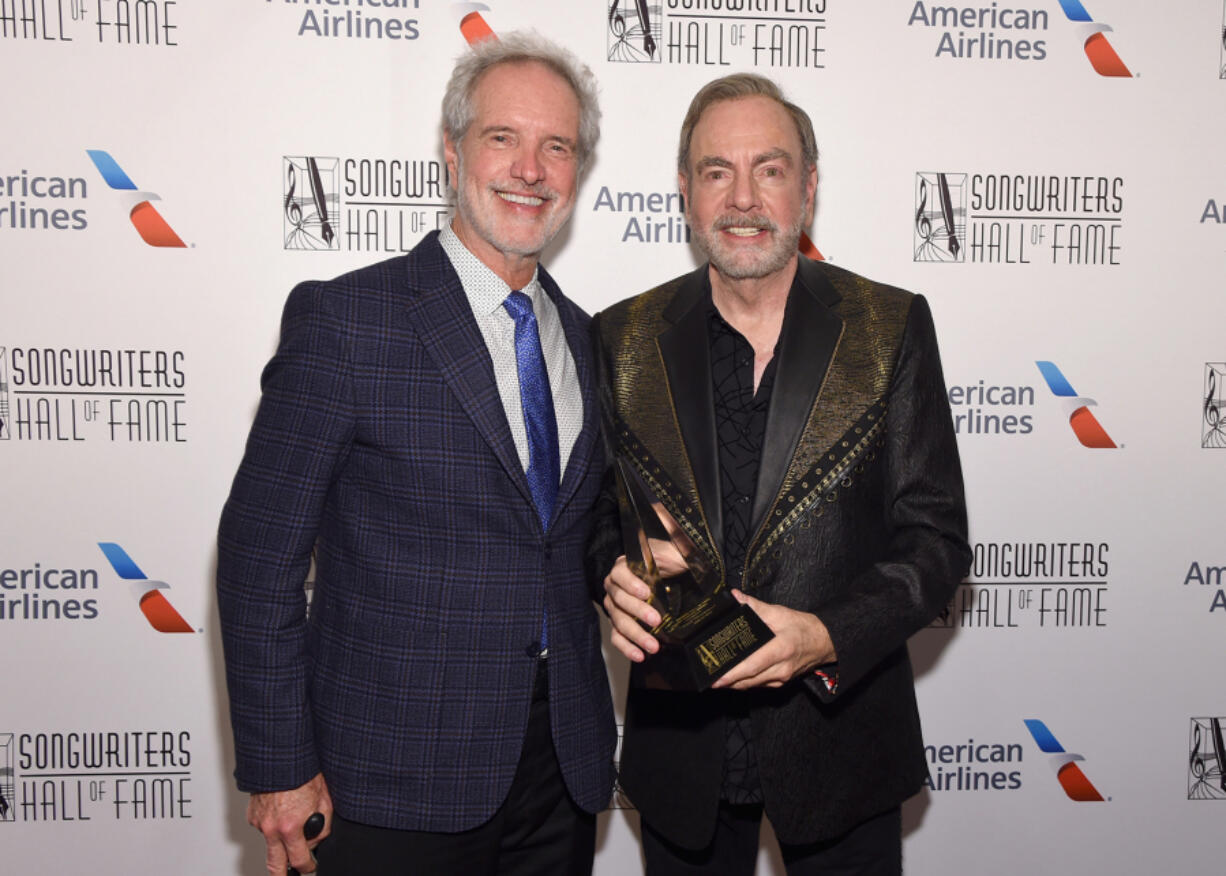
923	225
1206	759
1196	761
293	211
617	21
1214	429
1211	410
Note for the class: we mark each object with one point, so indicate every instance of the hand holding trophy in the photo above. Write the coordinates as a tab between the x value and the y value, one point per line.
703	631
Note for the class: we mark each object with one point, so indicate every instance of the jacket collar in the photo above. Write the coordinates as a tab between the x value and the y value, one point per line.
810	335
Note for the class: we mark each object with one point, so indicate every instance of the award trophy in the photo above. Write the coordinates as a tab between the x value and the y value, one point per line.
703	631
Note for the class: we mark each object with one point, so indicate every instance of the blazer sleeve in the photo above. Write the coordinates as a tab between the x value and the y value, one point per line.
300	436
604	543
926	553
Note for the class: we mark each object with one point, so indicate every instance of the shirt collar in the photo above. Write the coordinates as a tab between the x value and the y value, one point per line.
485	290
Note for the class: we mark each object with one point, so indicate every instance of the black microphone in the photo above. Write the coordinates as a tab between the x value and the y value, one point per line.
310	829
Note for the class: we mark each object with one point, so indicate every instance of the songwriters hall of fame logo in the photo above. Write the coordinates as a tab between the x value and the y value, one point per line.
717	33
4	396
8	791
1206	757
311	202
1222	35
1213	406
634	31
940	217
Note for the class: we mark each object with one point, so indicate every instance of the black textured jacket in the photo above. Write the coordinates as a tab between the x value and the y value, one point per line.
859	517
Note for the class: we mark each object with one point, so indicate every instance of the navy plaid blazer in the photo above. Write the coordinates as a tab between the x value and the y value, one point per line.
381	442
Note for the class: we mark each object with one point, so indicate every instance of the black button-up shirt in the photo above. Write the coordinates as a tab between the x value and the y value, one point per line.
740	423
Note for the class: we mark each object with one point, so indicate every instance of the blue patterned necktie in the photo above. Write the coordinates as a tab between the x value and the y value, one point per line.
537	402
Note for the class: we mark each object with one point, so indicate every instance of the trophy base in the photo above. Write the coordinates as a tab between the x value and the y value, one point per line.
706	653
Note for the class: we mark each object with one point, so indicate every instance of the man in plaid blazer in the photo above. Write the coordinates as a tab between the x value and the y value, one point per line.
447	693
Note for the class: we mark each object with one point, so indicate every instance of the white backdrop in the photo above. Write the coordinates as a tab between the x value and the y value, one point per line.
129	371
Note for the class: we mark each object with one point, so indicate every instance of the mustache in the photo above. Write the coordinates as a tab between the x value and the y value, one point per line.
735	221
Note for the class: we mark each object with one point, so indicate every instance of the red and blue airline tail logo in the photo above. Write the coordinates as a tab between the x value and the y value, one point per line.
1071	778
1094	38
153	229
1085	425
157	609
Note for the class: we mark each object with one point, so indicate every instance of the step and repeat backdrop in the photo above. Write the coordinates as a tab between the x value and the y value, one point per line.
1050	174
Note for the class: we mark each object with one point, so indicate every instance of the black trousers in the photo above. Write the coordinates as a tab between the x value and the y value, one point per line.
872	848
538	830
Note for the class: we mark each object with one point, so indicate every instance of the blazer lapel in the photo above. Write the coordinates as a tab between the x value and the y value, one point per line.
580	350
686	350
438	312
811	332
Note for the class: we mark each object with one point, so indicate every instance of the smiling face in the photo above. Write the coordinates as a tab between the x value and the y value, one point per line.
515	167
748	194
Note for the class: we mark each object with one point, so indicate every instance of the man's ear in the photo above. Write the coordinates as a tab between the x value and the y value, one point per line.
452	160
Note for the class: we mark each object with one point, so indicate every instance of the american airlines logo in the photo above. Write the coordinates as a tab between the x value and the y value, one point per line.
150	595
1083	422
153	229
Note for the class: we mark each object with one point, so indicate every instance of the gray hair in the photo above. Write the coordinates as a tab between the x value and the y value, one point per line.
735	87
519	47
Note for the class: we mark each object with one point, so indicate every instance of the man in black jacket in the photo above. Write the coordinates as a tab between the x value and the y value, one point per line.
791	417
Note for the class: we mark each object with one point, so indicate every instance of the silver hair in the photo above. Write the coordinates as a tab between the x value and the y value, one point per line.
520	47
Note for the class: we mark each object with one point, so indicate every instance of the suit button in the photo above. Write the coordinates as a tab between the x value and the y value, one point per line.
533	649
548	552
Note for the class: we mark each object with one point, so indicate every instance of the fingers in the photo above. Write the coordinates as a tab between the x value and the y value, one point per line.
285	847
628	635
629	650
775	663
281	817
767	667
625	600
300	857
621	578
275	860
629	594
756	604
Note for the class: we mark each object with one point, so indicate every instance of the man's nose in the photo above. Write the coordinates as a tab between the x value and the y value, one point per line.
743	194
528	166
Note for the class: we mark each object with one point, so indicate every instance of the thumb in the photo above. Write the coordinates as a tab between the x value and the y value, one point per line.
743	598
